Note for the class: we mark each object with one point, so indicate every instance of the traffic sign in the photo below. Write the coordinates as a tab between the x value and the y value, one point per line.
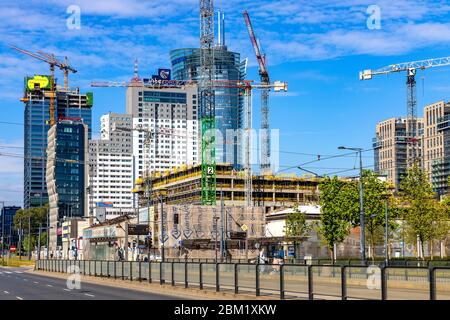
244	227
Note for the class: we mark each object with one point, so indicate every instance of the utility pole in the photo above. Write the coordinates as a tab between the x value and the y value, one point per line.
3	233
39	242
386	243
362	245
126	241
48	231
29	237
162	229
20	239
221	226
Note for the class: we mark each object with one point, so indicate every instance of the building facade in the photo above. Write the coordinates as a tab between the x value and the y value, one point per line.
10	234
111	174
183	187
169	131
229	102
67	174
36	125
391	149
436	145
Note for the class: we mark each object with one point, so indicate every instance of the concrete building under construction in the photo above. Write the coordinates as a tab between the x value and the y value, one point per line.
183	186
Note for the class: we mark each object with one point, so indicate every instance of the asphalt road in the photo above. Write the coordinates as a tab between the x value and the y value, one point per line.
16	284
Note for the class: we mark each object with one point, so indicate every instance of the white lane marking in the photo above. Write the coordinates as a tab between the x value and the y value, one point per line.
89	295
6	292
20	298
9	272
35	282
25	279
18	271
67	290
49	285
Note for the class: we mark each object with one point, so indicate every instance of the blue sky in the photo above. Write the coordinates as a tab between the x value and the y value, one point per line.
317	46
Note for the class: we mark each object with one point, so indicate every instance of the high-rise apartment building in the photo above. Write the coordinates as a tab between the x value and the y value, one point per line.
170	118
67	173
436	144
390	149
229	102
111	174
36	125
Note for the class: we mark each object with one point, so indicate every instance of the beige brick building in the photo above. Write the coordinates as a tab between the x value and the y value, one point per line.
436	148
393	150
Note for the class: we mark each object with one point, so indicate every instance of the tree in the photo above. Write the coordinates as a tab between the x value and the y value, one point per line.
342	197
336	207
374	192
425	217
38	217
296	228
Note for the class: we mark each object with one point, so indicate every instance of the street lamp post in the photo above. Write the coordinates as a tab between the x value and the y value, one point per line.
309	171
3	232
361	205
386	244
29	237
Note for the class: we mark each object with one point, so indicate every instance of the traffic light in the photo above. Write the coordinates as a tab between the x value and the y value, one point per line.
175	218
149	241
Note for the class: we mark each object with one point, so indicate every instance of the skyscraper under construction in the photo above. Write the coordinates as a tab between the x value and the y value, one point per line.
69	104
229	102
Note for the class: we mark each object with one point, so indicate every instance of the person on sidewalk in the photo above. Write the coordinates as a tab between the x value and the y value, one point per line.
262	260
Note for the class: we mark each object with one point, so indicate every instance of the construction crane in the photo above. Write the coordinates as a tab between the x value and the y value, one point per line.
246	86
207	102
53	62
264	77
411	101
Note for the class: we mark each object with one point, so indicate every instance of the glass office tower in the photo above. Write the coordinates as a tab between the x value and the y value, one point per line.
228	101
68	104
67	171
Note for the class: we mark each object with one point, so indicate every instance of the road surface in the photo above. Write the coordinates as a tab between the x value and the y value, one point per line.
16	284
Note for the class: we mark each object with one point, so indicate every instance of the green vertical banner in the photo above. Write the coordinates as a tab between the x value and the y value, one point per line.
90	98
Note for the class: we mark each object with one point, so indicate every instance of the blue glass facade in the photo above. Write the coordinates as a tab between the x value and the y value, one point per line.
36	119
7	220
228	101
69	172
35	144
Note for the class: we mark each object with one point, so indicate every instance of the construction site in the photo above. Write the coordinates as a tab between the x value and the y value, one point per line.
183	186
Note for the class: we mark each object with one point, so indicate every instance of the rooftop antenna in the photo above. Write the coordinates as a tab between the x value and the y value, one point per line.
218	28
223	29
136	72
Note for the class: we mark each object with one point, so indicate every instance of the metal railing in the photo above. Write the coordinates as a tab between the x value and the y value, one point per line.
287	281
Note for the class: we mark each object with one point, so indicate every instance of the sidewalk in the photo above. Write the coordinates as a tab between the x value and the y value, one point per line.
176	291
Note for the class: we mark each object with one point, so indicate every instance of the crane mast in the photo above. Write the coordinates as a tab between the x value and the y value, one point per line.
265	91
207	103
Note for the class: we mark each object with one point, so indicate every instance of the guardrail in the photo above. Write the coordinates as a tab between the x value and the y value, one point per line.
288	281
342	262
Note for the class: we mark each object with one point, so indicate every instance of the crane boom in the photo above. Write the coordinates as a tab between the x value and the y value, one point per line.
251	33
53	62
265	92
405	66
